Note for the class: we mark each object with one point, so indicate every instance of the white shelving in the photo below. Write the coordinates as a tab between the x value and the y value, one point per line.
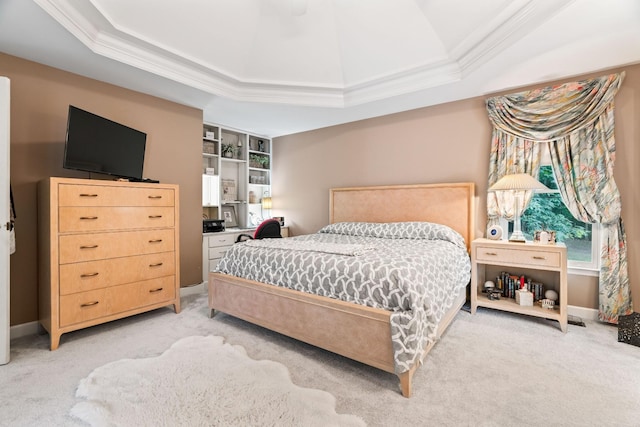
238	165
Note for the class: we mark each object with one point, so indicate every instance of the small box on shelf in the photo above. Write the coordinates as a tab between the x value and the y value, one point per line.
524	297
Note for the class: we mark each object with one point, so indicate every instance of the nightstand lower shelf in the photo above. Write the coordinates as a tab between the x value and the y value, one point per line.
509	304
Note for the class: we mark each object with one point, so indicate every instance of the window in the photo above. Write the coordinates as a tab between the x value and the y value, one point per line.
548	211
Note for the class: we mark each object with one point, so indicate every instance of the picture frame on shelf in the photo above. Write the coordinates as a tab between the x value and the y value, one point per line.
229	215
229	190
544	237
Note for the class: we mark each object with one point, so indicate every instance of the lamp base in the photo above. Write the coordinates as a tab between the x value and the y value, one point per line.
517	237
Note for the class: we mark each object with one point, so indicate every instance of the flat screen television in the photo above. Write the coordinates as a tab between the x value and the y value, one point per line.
96	144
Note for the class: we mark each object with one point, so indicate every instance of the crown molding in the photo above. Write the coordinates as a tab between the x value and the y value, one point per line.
92	28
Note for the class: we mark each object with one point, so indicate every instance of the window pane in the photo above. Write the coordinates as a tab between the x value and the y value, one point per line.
548	212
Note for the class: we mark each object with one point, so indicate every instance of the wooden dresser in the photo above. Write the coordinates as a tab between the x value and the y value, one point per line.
107	249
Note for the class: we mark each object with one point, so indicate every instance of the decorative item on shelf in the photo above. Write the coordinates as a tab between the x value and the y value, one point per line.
210	171
524	297
261	145
229	216
239	149
252	197
229	190
489	286
518	186
547	303
228	150
258	161
551	294
254	219
494	232
208	147
210	135
544	237
494	295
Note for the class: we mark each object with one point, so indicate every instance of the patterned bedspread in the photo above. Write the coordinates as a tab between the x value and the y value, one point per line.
413	269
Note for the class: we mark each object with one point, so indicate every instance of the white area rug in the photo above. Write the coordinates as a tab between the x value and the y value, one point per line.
202	381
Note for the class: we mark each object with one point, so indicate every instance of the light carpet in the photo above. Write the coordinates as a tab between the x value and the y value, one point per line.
492	369
202	381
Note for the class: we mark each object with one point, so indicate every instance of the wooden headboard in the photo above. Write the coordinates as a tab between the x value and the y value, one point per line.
448	204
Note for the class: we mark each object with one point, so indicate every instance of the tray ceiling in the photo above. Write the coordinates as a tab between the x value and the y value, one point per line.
251	63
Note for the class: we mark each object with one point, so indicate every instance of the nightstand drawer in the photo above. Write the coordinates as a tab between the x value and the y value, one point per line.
525	257
222	239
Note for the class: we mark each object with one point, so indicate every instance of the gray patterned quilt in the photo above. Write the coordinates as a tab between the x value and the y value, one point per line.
413	269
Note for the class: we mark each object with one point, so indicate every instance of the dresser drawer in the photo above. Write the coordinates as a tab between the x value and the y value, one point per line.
97	195
96	246
74	219
223	239
527	257
80	307
85	276
141	294
90	305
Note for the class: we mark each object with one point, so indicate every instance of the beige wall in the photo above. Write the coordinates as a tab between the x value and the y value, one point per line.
447	142
444	143
40	98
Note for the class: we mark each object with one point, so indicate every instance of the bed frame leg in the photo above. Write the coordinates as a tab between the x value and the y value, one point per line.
406	379
212	312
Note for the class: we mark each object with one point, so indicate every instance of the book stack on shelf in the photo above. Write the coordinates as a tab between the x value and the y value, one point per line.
508	284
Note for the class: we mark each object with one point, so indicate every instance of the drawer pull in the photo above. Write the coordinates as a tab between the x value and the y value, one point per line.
88	195
491	253
88	217
89	275
151	291
89	304
155	197
538	257
155	241
88	246
158	264
155	216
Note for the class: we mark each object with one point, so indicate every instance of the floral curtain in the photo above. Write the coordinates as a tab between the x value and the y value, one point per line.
576	121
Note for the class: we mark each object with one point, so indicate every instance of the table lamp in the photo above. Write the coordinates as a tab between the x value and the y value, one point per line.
518	184
266	203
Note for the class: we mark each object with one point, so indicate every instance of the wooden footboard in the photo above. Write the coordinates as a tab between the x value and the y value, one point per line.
357	332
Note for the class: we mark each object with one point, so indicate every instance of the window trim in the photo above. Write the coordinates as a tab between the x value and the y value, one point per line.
574	267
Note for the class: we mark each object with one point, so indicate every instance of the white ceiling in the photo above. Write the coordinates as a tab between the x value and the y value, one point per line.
277	67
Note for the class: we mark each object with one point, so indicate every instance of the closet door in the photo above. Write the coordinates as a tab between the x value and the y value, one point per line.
4	221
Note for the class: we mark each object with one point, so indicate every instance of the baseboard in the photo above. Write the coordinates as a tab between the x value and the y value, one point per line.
582	312
193	289
23	330
31	328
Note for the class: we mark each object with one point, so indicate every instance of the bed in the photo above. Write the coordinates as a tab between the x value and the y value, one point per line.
366	333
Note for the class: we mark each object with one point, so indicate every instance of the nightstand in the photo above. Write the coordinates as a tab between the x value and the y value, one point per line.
546	264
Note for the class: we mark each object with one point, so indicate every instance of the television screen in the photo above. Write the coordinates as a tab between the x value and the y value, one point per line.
96	144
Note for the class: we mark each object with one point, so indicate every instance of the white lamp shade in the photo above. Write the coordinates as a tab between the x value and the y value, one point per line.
266	203
519	182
